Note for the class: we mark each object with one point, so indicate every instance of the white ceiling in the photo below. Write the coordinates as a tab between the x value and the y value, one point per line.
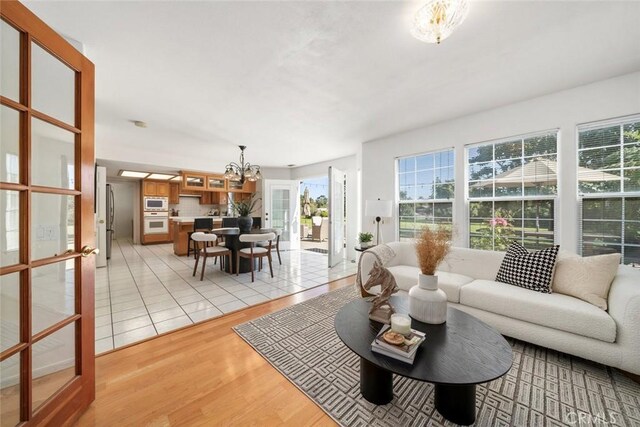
302	82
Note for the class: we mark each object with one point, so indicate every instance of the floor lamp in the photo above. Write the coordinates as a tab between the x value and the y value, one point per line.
378	209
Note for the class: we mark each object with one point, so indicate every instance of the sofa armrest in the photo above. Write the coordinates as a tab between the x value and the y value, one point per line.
624	307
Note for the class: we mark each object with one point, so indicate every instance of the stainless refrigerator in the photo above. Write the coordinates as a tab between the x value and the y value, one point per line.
110	218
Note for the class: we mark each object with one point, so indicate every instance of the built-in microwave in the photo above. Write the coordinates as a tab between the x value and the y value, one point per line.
156	204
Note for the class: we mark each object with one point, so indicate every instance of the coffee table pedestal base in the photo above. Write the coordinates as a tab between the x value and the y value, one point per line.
456	403
376	384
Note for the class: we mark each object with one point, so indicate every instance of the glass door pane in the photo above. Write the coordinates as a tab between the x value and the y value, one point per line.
52	294
52	155
10	227
9	145
10	57
53	86
10	309
10	391
280	215
54	363
52	224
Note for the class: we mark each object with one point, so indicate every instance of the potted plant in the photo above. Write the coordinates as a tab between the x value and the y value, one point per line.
244	207
427	303
365	239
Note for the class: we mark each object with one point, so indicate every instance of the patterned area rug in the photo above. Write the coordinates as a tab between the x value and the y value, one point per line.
543	387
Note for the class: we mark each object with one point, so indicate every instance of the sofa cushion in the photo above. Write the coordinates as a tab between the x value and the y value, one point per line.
586	278
474	263
451	283
407	277
552	310
530	270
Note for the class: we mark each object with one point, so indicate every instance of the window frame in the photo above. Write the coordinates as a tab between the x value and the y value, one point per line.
520	198
621	195
433	201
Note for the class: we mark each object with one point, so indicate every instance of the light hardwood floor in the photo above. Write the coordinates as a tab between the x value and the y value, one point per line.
202	375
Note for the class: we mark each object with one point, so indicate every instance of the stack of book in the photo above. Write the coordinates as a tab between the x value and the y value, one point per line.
405	352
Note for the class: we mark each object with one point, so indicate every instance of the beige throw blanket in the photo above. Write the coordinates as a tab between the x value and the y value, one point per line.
383	254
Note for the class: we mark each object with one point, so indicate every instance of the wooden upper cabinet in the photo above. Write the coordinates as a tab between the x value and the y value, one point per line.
206	198
155	188
216	183
236	187
162	189
149	188
174	193
223	198
194	181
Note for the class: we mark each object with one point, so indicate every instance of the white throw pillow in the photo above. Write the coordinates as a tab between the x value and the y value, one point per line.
587	278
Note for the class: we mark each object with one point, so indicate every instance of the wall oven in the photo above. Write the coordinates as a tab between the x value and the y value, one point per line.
156	222
156	204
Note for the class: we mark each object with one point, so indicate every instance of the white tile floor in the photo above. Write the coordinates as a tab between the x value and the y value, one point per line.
147	290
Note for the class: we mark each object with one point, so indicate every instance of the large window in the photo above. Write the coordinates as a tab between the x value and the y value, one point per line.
609	188
511	187
426	191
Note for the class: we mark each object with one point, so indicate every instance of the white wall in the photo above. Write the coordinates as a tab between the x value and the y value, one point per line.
563	110
349	165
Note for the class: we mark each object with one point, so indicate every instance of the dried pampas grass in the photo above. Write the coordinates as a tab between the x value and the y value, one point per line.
432	246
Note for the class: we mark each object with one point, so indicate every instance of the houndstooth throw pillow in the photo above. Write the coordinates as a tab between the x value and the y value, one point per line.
529	270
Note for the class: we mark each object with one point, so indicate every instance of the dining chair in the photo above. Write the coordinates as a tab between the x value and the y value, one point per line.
207	251
277	232
199	224
253	251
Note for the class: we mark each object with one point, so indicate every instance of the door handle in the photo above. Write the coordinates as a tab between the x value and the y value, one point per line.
67	252
88	250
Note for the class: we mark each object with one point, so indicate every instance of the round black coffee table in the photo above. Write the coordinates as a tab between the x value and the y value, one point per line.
455	357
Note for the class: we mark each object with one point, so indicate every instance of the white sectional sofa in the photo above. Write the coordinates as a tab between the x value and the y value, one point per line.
555	321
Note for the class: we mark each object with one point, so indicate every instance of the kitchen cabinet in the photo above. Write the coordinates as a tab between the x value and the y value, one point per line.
194	181
162	189
237	187
216	183
171	226
155	188
222	198
206	198
174	193
149	188
214	198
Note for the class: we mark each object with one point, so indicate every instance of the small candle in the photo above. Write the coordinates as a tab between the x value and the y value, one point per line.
401	324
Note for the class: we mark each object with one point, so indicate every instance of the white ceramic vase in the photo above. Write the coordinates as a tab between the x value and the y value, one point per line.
427	303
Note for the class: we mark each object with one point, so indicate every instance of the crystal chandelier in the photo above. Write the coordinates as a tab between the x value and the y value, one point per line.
242	172
436	20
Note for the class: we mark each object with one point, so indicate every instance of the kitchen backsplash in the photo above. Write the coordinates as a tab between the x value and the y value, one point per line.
190	206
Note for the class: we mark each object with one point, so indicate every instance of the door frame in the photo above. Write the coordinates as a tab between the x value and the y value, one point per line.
294	208
336	257
74	397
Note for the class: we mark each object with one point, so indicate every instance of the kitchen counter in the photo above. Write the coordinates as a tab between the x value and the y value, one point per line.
192	218
182	226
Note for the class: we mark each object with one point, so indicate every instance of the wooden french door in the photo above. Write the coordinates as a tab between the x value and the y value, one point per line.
47	228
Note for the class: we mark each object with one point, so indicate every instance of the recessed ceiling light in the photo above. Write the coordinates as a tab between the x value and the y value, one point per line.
160	176
133	174
176	178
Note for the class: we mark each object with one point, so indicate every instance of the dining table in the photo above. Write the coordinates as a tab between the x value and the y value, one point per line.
232	242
